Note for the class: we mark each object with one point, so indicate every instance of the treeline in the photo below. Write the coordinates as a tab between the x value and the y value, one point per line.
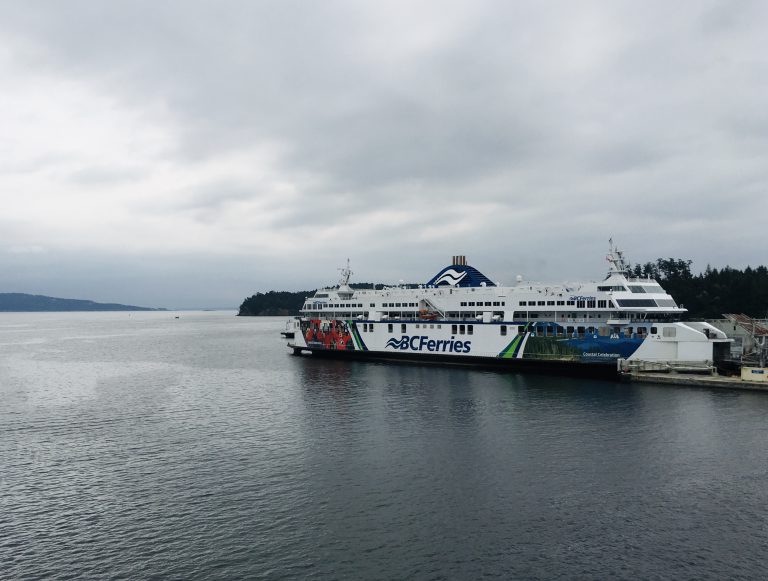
706	295
273	303
713	292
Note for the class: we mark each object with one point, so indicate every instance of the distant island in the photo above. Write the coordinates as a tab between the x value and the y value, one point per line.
21	302
707	295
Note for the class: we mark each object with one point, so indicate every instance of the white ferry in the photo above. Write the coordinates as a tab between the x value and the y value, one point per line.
462	316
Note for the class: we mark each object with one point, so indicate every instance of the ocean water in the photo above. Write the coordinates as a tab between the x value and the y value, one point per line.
139	445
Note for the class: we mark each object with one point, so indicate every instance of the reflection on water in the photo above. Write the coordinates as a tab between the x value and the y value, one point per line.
150	446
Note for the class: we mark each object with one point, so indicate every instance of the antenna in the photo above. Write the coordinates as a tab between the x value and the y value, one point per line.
345	274
616	259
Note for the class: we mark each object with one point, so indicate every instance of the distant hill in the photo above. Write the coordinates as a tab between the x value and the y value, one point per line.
21	302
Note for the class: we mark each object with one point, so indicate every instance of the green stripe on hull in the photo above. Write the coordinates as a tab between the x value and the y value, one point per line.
509	352
356	339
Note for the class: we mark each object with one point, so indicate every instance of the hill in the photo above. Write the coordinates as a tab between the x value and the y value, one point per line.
21	302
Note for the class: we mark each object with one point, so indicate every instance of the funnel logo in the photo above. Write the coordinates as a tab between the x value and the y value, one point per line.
424	343
451	277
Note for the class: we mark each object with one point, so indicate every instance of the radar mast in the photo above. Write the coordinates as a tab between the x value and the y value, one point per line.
344	289
616	259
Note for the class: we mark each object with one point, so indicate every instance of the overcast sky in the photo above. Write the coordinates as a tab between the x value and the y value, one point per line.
188	154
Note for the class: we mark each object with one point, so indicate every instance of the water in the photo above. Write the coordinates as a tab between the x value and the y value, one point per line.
143	446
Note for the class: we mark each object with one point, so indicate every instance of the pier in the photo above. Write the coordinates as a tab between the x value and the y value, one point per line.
691	374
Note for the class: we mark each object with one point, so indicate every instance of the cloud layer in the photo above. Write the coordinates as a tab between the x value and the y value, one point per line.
187	154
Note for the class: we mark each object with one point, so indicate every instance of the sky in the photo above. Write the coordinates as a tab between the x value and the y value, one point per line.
187	154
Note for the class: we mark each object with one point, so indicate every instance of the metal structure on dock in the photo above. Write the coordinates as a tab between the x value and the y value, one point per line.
757	332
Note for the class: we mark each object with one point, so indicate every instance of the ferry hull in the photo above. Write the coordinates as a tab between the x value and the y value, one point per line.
547	366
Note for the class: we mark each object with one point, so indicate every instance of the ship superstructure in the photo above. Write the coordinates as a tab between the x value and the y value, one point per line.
460	315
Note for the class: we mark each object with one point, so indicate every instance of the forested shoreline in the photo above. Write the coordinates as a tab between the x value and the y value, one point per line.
707	294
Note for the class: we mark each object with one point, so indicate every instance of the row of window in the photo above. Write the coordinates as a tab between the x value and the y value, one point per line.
549	331
574	331
586	304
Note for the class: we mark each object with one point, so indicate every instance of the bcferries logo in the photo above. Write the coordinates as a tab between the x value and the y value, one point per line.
451	277
424	343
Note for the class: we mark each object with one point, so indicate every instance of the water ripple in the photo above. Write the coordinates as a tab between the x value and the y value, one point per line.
196	448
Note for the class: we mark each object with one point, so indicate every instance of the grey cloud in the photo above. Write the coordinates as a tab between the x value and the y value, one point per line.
644	121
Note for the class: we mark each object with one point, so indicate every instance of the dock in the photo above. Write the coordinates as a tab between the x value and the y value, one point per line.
692	374
696	380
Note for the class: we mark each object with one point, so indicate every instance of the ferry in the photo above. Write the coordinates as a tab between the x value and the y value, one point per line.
460	316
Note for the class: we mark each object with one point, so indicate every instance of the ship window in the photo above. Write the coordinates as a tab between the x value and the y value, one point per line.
464	304
628	331
654	331
389	327
570	303
601	304
495	303
636	289
462	329
520	329
523	304
569	330
373	304
471	303
439	326
402	328
454	329
503	303
559	331
560	303
591	304
666	303
417	325
470	329
670	331
487	304
549	303
542	303
431	326
503	329
399	304
636	302
641	330
580	304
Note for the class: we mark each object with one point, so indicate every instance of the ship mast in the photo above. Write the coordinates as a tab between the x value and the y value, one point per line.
616	259
344	288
